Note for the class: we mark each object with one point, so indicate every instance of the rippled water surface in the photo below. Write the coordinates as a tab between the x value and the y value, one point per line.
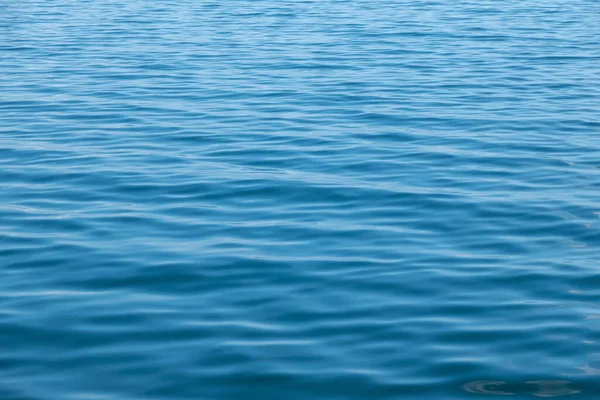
332	199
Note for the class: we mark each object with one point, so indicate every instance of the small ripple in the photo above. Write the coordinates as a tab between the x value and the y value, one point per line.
330	200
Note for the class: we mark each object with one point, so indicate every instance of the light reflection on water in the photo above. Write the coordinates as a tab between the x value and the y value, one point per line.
334	200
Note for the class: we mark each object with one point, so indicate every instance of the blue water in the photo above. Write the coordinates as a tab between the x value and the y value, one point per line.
300	199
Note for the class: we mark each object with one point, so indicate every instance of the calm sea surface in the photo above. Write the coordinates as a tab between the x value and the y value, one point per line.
332	199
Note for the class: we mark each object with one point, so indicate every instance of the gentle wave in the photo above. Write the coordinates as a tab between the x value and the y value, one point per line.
308	199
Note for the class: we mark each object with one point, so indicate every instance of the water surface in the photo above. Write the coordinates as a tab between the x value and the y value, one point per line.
299	199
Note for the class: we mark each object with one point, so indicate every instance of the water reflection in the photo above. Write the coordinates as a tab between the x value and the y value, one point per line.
587	369
541	388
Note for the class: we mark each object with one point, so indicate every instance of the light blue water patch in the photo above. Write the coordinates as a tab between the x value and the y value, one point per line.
302	199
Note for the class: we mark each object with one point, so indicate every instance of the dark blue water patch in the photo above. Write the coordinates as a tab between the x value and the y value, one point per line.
310	199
